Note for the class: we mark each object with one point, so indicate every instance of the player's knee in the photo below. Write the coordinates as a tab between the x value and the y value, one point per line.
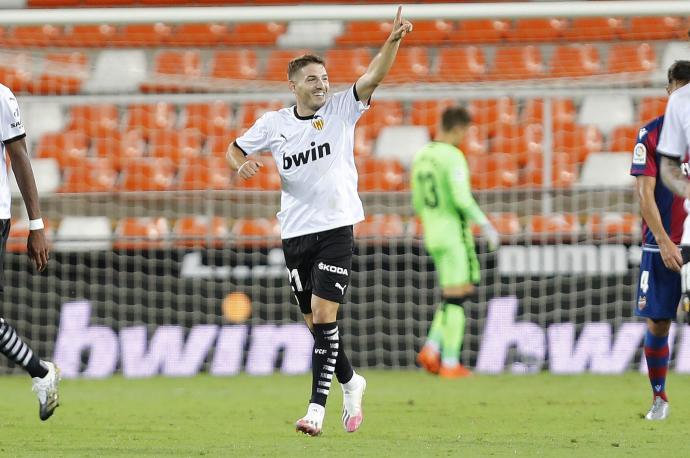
323	311
660	328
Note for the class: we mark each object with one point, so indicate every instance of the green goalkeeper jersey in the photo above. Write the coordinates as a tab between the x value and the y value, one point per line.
441	194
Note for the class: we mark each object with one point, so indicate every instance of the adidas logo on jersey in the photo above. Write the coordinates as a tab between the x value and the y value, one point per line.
333	269
314	153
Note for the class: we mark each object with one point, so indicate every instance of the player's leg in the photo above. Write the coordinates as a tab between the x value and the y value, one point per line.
658	294
343	368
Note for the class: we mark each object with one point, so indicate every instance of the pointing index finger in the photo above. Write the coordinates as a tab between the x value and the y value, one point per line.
398	15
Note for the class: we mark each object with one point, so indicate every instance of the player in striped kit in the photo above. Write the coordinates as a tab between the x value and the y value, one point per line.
663	213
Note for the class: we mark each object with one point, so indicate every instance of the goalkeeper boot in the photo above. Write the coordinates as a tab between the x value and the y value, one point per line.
659	409
455	371
353	391
46	389
312	422
429	359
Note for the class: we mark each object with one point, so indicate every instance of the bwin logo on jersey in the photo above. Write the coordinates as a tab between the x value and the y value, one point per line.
318	122
316	152
333	269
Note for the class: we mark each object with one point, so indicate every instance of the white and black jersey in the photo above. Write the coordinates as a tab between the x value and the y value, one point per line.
316	163
11	129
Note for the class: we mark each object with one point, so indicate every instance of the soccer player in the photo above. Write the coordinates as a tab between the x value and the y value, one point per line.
442	198
312	144
45	375
658	291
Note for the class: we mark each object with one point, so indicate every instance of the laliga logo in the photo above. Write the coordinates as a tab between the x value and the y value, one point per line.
318	122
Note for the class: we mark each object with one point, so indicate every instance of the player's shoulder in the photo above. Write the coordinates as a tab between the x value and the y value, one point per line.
5	92
652	127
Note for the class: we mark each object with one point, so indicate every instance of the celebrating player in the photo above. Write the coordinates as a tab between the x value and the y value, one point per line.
312	144
45	375
658	291
442	198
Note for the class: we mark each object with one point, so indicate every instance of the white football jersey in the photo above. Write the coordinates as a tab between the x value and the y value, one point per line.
675	135
315	159
11	128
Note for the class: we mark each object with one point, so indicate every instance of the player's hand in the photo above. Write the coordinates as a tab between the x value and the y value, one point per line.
249	169
670	254
38	249
401	27
493	238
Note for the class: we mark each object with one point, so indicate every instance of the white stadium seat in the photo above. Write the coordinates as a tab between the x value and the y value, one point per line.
606	170
83	233
401	142
46	174
118	71
607	111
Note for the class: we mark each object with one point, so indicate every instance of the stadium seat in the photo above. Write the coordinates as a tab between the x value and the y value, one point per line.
475	141
563	171
521	140
117	71
612	225
578	141
623	138
251	111
506	224
211	119
480	31
381	114
651	108
254	34
16	72
141	233
345	66
87	36
575	61
46	174
364	33
217	145
631	58
672	52
83	233
41	116
178	145
33	36
411	66
192	35
200	232
52	3
380	227
427	113
147	174
96	121
586	29
108	2
489	113
364	142
516	63
277	63
151	117
457	65
606	111
429	33
606	170
255	232
120	148
205	173
91	175
62	73
494	171
565	224
537	29
268	178
174	71
563	112
381	175
234	64
142	35
657	28
401	142
314	34
67	148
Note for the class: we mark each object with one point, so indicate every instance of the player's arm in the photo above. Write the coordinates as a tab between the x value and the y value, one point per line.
670	253
237	159
379	66
673	178
21	166
673	145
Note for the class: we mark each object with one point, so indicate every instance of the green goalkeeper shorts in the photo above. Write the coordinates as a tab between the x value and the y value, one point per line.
456	264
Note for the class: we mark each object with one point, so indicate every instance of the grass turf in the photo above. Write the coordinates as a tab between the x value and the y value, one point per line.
406	414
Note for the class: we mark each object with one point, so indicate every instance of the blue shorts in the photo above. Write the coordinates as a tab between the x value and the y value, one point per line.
658	288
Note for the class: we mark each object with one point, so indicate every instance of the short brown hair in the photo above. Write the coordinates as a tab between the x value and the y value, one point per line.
679	71
300	62
455	116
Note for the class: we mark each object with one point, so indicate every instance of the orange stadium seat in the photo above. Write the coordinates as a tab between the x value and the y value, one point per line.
137	35
211	119
31	36
208	34
494	171
88	35
364	142
651	107
380	227
575	61
507	224
411	65
475	141
251	34
97	121
147	174
53	3
90	175
612	225
277	63
521	140
563	112
205	173
268	178
578	141
381	114
217	145
120	147
255	232
63	73
251	111
623	138
16	72
174	71
381	175
234	64
586	29
108	2
68	148
631	58
480	31
537	29
427	113
200	232
563	171
151	117
178	145
365	33
141	233
489	113
463	64
345	66
657	28
429	33
522	62
558	224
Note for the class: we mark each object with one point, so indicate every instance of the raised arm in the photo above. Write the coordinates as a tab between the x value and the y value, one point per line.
379	66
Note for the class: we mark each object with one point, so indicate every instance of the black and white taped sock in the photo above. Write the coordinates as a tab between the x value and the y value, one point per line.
12	346
323	360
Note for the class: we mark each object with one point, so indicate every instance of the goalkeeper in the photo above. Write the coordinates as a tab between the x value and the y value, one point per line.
442	198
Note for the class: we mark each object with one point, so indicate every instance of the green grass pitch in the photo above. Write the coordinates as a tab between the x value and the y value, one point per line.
407	413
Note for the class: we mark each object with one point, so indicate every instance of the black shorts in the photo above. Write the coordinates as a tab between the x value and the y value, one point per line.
4	235
321	264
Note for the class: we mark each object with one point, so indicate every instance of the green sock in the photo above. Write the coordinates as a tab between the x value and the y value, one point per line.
436	330
453	332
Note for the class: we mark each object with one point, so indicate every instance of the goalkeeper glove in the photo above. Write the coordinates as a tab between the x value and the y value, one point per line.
493	239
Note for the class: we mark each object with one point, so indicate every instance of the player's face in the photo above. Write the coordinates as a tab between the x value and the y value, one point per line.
310	86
